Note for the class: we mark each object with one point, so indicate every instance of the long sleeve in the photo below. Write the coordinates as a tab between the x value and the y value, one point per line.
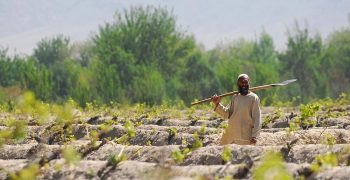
256	115
223	111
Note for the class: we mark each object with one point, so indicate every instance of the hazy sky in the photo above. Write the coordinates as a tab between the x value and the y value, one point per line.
25	22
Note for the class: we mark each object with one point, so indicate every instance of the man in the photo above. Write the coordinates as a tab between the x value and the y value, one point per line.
243	114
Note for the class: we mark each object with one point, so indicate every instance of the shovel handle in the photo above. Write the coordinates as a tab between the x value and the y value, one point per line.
232	93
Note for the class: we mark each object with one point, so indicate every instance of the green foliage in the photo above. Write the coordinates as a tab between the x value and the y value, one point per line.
309	110
29	173
197	142
294	125
149	86
270	118
328	139
114	160
336	63
179	155
272	167
201	130
16	131
226	154
324	161
172	132
130	129
308	116
142	56
70	155
52	50
94	137
64	114
27	104
302	60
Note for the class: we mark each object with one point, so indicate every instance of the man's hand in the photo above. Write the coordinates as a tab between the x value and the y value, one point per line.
216	99
253	140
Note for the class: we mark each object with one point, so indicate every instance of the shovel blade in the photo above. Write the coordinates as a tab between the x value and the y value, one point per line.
284	82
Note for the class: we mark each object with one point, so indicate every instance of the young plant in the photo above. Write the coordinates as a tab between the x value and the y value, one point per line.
202	129
293	126
328	140
123	140
94	137
270	118
179	155
272	167
16	131
114	160
70	155
28	105
226	154
130	129
197	142
324	161
309	114
172	132
30	172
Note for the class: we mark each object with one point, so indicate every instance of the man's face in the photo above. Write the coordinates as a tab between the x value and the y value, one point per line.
243	85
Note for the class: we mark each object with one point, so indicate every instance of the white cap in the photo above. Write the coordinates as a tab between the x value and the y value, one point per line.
242	75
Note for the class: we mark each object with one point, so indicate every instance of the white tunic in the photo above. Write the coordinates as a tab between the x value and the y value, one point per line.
244	119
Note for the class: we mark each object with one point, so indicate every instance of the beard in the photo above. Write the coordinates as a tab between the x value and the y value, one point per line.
243	90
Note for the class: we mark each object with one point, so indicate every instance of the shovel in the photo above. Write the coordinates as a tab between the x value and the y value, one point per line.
257	88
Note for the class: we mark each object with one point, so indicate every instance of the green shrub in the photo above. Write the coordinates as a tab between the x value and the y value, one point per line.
226	154
272	167
179	155
70	155
324	161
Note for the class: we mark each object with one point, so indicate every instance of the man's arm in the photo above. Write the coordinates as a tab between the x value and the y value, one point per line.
222	110
219	108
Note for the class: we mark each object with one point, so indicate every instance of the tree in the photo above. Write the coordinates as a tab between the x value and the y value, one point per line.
302	60
198	79
52	50
265	66
336	63
148	86
142	40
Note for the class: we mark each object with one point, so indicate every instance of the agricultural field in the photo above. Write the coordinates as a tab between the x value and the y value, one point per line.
44	141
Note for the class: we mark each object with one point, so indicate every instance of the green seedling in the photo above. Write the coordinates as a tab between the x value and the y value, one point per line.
179	155
272	167
114	160
130	129
70	155
29	173
16	131
329	139
172	131
197	142
201	130
270	118
324	161
226	154
123	140
309	114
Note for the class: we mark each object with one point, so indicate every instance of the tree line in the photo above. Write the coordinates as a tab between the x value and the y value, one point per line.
142	56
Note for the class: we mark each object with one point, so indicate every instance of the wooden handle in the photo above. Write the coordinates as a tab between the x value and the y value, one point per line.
251	89
232	93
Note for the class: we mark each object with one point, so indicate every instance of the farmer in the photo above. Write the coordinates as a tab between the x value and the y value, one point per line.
243	114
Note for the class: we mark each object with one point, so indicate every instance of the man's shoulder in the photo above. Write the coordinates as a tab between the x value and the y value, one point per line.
253	95
250	95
